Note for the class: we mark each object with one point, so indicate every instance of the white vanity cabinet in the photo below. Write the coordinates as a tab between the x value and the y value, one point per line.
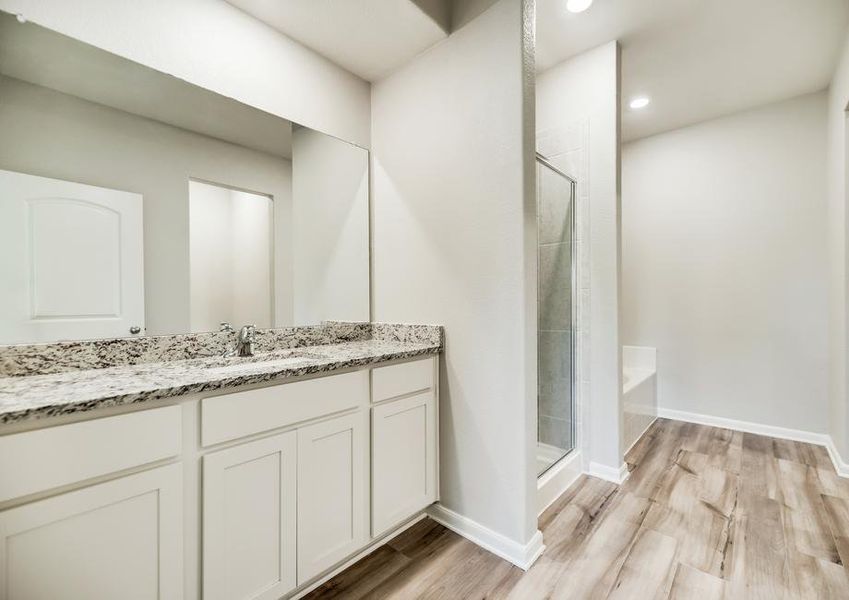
332	472
119	539
249	519
258	494
403	460
404	442
251	494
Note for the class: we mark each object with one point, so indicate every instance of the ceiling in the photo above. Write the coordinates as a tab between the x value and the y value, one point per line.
37	55
696	59
700	59
369	38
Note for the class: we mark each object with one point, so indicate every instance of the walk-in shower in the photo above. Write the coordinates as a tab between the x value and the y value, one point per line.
556	303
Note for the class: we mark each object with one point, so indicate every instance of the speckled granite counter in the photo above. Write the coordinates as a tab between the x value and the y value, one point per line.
44	395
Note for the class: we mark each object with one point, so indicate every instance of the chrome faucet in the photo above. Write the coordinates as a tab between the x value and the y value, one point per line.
245	340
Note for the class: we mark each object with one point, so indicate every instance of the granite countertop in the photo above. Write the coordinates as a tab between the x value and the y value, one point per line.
39	396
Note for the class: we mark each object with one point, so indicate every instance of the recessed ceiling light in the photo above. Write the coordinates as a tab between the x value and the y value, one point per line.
577	6
639	102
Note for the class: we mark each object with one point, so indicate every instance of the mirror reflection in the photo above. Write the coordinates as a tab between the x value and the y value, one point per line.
134	203
230	237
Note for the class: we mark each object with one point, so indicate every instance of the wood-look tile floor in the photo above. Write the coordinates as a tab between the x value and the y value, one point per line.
706	513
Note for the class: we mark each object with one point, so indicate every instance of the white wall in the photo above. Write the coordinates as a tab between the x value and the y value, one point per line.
725	263
230	257
252	227
838	141
214	45
330	229
451	170
578	131
210	249
67	138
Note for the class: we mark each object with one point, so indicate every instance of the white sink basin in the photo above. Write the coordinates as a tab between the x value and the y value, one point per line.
259	364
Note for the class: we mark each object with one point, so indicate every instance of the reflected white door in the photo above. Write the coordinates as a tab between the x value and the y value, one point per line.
71	260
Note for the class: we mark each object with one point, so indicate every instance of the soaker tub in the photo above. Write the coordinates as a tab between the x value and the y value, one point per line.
639	391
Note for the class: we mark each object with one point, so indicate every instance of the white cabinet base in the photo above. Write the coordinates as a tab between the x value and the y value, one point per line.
307	477
249	520
403	459
331	493
120	539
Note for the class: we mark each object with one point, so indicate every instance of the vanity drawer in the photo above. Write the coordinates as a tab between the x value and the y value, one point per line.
236	415
397	380
36	461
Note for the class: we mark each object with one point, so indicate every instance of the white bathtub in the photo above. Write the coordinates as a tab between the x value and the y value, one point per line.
639	391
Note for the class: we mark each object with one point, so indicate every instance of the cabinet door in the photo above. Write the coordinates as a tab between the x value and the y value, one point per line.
249	519
120	539
403	459
331	489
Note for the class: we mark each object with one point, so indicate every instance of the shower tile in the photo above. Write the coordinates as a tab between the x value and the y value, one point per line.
580	219
555	432
556	402
583	271
555	141
555	210
584	310
555	283
584	342
550	142
570	162
555	373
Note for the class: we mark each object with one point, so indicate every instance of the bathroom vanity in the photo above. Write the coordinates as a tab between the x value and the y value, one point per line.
239	478
141	455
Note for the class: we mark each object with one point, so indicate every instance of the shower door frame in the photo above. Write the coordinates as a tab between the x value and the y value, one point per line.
574	254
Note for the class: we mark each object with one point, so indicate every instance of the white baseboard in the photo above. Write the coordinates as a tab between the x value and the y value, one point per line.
840	465
797	435
784	433
612	474
523	556
554	482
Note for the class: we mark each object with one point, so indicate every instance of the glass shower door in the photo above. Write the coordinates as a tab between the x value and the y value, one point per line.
555	303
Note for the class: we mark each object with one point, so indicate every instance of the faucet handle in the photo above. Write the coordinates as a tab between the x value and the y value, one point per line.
246	340
225	327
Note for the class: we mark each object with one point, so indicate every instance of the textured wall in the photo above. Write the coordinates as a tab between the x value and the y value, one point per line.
838	142
451	199
725	263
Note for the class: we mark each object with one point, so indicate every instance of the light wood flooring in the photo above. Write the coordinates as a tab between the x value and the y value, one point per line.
706	513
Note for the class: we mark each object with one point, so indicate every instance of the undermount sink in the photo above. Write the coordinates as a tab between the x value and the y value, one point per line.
259	362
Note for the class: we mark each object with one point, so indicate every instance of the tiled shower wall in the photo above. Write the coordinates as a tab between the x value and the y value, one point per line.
554	226
567	149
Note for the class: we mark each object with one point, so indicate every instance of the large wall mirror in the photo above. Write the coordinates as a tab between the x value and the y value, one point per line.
134	203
